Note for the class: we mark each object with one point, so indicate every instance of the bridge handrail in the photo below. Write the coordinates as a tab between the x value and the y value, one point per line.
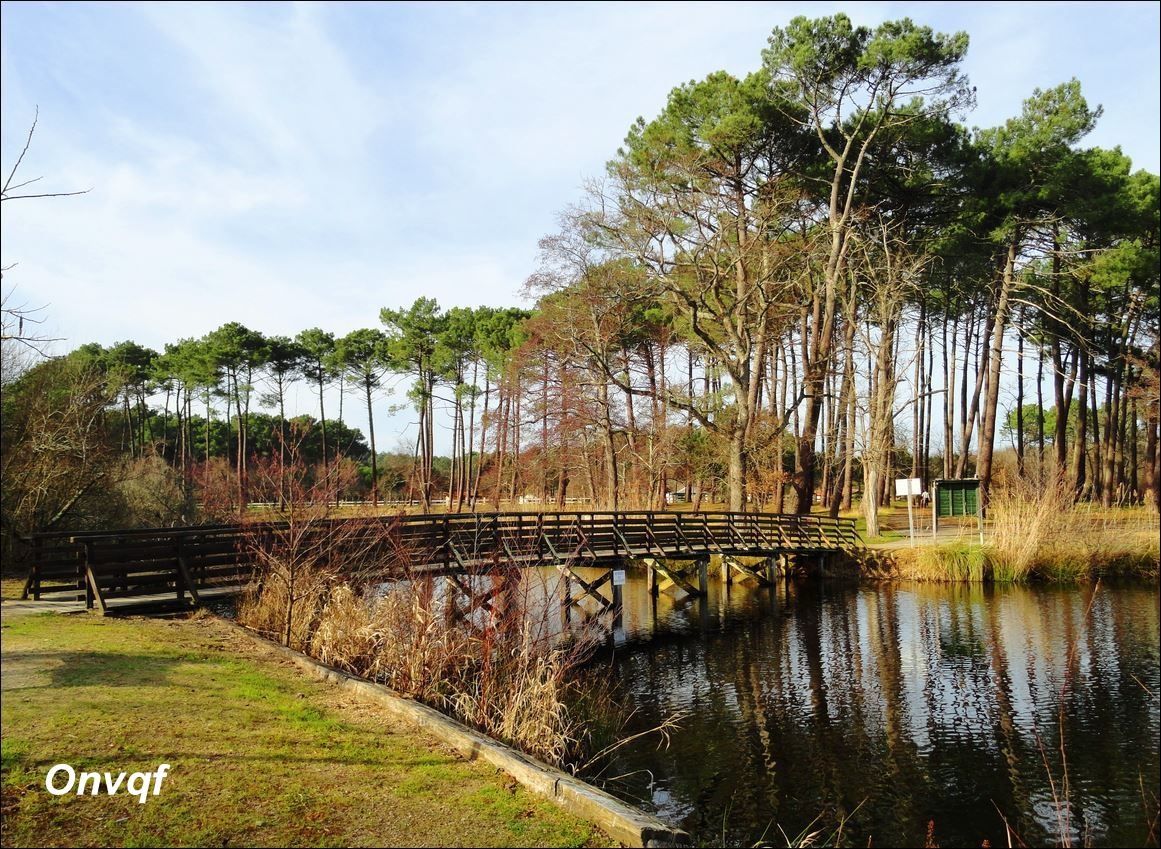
67	556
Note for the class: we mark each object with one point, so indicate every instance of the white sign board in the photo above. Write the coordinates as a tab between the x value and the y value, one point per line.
908	486
618	577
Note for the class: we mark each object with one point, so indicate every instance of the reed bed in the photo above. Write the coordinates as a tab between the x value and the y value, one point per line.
1044	535
504	671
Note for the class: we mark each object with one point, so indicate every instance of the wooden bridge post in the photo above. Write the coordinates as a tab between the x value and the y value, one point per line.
451	606
88	572
618	623
565	600
650	578
34	570
179	582
185	578
703	575
727	572
566	589
496	602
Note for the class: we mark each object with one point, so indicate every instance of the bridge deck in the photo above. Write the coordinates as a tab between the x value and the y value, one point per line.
112	569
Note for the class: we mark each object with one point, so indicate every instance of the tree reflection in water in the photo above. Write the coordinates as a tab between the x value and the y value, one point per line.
893	706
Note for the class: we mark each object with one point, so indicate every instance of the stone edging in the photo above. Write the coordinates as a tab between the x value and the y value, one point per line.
620	821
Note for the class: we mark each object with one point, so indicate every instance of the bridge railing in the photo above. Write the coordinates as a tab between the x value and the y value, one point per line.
116	564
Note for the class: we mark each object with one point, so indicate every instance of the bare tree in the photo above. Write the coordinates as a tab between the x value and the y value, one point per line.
890	269
14	319
9	187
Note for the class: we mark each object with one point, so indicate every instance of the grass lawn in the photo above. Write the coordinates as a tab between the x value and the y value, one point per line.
11	587
259	754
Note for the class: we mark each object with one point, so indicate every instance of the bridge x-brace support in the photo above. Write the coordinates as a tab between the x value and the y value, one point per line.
589	589
481	589
764	573
660	575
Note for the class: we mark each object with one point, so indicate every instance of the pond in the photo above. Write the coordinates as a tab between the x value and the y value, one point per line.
889	710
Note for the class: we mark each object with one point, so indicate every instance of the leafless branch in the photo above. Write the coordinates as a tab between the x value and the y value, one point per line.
5	194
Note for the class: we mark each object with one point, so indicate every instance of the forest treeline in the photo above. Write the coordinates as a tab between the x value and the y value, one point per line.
786	289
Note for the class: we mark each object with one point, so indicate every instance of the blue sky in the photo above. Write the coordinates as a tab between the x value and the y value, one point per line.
296	165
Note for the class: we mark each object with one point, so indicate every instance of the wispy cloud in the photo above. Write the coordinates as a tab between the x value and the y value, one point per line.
297	165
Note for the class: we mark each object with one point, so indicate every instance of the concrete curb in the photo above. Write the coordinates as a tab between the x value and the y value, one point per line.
620	821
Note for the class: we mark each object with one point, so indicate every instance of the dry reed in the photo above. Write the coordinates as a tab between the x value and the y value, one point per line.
1043	534
501	671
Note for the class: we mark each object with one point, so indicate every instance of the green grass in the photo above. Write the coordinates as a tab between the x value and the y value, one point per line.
259	754
1080	560
953	562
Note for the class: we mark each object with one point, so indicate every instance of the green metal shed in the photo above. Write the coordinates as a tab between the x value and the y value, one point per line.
957	497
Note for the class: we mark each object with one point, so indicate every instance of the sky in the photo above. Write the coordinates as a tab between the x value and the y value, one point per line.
298	165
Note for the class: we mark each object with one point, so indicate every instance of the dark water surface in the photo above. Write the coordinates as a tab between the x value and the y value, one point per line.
893	706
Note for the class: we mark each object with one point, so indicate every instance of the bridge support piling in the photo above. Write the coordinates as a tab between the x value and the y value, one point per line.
451	608
565	600
618	624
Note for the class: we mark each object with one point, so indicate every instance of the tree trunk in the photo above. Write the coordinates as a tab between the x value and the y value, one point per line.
612	484
374	454
1134	480
988	425
502	405
322	417
949	398
971	413
1152	458
1078	451
1020	397
1040	415
468	489
483	437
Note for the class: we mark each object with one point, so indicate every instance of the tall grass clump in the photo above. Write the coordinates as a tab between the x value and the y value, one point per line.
1045	534
502	670
1023	524
957	561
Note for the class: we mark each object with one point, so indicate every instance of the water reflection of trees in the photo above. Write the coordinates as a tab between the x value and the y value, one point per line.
925	701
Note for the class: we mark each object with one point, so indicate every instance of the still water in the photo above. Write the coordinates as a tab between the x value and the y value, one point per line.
891	707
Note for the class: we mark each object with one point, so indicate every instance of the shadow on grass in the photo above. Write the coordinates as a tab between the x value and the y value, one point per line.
90	668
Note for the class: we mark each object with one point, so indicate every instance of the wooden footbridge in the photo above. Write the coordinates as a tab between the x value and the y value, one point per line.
122	571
